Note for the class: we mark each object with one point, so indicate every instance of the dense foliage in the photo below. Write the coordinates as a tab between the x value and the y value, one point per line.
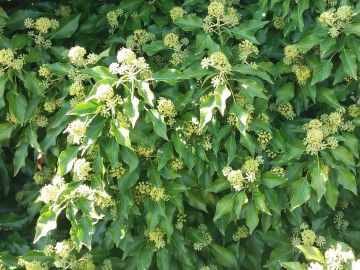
165	134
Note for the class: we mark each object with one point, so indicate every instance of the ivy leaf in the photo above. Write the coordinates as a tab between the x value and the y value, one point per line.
206	111
346	179
189	22
251	216
224	206
131	107
285	93
322	71
224	256
6	130
222	93
331	195
122	134
348	59
85	231
344	156
318	179
164	154
67	159
46	223
158	122
327	96
67	27
301	193
311	253
20	157
146	93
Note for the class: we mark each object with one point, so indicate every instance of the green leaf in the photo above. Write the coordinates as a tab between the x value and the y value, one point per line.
348	59
67	27
252	216
251	88
250	70
146	93
327	96
11	220
224	256
153	47
318	178
170	76
271	180
293	266
230	146
260	202
224	206
164	154
158	123
311	253
130	158
99	73
17	105
67	159
20	157
222	93
322	71
285	93
331	195
6	130
189	22
206	111
45	223
352	28
218	185
344	156
301	193
85	231
247	30
122	134
131	107
346	179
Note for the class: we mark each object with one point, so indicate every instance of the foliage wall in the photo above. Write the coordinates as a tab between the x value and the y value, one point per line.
167	134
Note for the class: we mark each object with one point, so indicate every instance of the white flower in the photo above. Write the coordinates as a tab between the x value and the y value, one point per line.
76	55
104	92
125	55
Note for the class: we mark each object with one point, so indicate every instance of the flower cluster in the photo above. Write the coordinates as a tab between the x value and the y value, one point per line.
112	18
81	169
63	11
291	55
144	189
340	223
40	27
44	176
241	233
173	41
235	178
138	38
302	73
177	164
285	109
206	238
129	67
33	265
219	15
319	132
118	171
217	60
180	220
306	236
51	192
251	167
279	23
336	20
77	130
167	108
9	61
157	237
263	138
176	13
246	49
77	57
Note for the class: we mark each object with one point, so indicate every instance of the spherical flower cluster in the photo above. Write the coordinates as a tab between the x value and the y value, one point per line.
51	192
8	60
103	200
117	172
241	232
77	55
217	60
104	92
166	107
279	171
336	258
139	38
157	237
42	177
112	18
41	25
3	23
172	40
176	13
85	263
144	151
236	179
33	265
144	189
206	238
340	223
285	109
51	106
6	57
308	237
177	164
336	21
354	110
125	55
216	9
44	71
39	120
76	130
64	248
302	73
181	219
82	169
251	167
291	55
63	11
247	48
263	138
279	23
315	266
